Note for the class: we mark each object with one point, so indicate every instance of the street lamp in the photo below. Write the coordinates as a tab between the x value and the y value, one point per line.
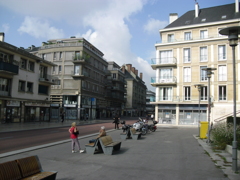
199	86
232	33
209	74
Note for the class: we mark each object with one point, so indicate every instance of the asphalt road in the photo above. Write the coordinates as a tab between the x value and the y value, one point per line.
16	140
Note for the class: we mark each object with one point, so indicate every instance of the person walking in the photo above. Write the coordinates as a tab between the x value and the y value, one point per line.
74	136
152	117
62	116
116	121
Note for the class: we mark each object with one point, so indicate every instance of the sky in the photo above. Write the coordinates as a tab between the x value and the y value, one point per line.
126	31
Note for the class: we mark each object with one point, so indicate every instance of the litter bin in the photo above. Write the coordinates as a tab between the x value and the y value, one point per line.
203	129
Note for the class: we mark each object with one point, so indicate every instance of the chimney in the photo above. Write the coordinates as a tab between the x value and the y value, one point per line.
172	17
129	67
141	75
136	72
2	36
196	10
236	6
133	70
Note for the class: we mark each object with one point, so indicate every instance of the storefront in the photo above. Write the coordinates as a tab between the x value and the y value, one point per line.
37	112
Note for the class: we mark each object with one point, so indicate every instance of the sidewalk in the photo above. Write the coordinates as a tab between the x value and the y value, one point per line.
168	153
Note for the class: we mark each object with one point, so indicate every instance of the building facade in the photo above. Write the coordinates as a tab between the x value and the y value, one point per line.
150	108
25	83
189	44
135	94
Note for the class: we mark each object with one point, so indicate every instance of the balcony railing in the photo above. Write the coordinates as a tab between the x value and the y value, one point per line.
187	99
195	38
164	80
162	61
78	74
46	78
9	67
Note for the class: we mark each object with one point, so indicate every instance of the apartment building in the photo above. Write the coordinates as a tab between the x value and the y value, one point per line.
115	89
135	94
25	83
82	74
189	44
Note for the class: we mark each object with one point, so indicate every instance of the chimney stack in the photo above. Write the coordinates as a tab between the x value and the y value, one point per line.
2	36
123	69
133	70
236	6
172	17
141	76
196	10
136	72
129	67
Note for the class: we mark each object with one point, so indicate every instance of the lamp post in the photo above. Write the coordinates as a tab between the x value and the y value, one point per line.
209	74
232	33
199	86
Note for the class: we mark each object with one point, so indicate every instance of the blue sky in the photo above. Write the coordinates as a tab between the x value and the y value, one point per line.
124	30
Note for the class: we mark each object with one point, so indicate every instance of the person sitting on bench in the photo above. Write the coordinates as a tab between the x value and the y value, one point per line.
102	133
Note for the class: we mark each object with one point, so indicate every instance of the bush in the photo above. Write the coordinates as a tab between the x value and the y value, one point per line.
222	135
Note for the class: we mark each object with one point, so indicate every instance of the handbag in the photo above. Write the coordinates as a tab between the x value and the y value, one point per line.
76	133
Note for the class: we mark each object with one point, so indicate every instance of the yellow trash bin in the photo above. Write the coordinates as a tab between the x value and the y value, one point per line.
203	129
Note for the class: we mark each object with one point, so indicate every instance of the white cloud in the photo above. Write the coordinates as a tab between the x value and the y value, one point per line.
40	29
5	28
153	25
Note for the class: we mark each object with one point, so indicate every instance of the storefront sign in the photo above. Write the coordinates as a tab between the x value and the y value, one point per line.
54	105
69	105
37	104
13	103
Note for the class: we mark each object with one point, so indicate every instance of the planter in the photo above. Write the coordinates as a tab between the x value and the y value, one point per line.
229	150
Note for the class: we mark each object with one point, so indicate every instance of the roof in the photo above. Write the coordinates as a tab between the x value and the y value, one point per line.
221	13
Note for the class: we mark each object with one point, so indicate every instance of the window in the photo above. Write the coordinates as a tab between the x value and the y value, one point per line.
43	89
165	75
186	55
203	54
222	73
203	34
24	63
204	96
165	94
76	70
43	72
59	69
170	37
29	87
187	93
222	52
222	93
77	55
4	84
114	76
203	73
165	57
31	66
60	55
44	56
21	86
187	36
187	74
54	55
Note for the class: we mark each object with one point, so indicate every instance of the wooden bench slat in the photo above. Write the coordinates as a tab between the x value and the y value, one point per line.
9	170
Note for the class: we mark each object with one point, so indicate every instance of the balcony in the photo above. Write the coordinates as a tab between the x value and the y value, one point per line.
80	75
8	68
163	81
46	79
163	62
77	59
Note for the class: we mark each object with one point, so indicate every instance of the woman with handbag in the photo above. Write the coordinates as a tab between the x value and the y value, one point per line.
74	136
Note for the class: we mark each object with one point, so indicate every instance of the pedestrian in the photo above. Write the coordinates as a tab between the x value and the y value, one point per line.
152	116
62	116
74	136
116	121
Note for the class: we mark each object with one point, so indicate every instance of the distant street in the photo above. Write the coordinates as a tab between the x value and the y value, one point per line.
11	141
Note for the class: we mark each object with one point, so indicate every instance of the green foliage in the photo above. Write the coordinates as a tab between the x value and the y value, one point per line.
230	120
222	135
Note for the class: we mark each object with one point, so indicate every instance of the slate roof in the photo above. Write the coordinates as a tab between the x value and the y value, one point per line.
211	14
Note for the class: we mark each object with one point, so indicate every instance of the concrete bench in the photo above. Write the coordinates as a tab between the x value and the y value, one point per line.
91	147
108	145
135	135
125	135
25	168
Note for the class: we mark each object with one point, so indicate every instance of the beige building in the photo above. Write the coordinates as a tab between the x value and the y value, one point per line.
25	84
189	44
